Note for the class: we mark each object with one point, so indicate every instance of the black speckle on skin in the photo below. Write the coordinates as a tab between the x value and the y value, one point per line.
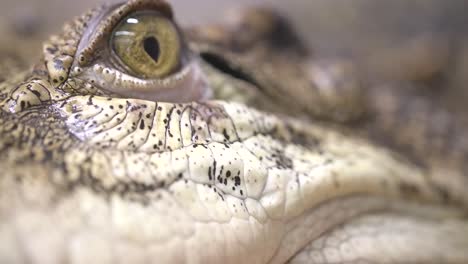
210	177
237	181
214	168
225	134
90	100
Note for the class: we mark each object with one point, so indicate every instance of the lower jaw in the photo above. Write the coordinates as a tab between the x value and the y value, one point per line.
375	230
390	238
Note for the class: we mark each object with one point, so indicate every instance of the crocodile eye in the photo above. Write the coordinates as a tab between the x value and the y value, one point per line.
136	50
147	44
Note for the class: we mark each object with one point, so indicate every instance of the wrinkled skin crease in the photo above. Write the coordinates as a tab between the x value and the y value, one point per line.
250	176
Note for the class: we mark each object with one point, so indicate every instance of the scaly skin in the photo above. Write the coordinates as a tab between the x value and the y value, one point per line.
270	169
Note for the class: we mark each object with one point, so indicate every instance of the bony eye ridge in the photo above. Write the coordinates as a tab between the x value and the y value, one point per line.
147	44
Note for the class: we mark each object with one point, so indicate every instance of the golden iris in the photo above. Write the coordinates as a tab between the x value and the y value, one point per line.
148	44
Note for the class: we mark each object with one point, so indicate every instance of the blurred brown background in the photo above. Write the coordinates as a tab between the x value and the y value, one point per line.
327	24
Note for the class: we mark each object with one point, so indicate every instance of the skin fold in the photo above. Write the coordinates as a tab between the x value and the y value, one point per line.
251	150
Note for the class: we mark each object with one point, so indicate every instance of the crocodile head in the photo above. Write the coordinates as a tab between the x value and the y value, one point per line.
133	140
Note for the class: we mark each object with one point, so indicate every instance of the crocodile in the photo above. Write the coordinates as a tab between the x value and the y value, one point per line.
132	140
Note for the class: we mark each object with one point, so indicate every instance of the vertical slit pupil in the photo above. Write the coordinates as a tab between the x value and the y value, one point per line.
151	46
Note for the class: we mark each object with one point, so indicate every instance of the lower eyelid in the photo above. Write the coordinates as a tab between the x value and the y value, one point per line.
186	86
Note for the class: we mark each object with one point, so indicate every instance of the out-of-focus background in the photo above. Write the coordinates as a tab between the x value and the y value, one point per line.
397	38
328	24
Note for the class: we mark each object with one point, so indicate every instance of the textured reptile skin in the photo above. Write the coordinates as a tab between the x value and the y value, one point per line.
286	158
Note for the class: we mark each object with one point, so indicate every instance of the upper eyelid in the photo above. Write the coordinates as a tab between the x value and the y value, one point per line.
89	43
